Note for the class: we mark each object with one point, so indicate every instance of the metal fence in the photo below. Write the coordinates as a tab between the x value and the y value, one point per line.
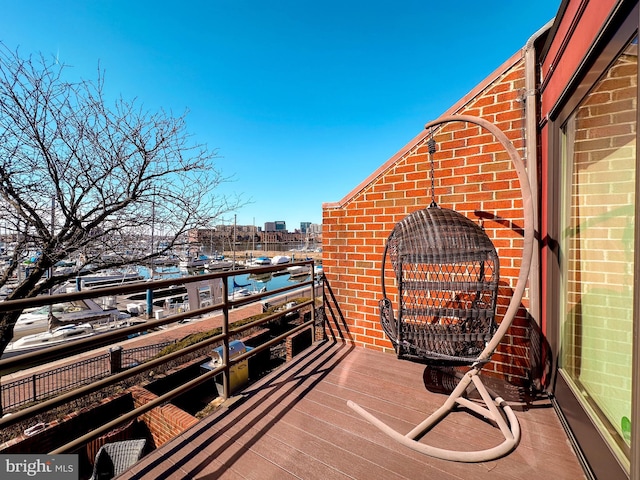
42	385
135	356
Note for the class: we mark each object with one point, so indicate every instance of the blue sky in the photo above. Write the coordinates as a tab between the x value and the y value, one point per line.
302	100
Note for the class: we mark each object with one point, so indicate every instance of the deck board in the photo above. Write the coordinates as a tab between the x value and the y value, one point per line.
295	423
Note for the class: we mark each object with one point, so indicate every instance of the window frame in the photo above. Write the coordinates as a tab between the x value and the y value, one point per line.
593	451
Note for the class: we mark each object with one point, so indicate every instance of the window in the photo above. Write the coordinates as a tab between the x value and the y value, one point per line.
598	183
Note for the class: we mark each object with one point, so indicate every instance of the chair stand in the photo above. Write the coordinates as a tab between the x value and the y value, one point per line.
492	411
446	272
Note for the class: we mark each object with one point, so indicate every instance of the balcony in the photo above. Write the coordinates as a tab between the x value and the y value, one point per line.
295	422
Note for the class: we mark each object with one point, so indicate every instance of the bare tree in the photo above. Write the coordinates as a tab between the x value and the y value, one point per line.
82	177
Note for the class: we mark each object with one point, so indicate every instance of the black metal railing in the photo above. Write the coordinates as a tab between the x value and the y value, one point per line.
137	355
42	385
227	332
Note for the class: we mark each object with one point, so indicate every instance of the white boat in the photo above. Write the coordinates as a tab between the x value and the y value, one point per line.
100	279
79	311
260	261
193	262
299	270
219	265
109	278
166	260
63	267
109	326
245	292
280	259
239	293
51	338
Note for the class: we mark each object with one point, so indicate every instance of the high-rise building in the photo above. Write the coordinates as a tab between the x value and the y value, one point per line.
277	226
315	228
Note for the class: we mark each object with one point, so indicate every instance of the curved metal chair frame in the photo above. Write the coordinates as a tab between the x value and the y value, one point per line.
447	272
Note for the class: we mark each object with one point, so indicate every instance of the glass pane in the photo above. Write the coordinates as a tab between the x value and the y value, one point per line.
597	250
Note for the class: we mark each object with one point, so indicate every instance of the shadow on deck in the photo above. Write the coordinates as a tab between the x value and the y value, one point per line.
295	423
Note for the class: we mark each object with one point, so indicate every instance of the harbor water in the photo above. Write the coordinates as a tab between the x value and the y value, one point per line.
268	281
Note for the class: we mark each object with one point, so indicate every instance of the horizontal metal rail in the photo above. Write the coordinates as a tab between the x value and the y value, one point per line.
162	399
104	339
105	382
142	286
83	345
167	397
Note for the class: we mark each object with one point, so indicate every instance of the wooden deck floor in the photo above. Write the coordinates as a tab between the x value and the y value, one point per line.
295	423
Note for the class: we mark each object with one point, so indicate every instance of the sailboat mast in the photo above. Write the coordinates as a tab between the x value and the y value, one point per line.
234	241
53	232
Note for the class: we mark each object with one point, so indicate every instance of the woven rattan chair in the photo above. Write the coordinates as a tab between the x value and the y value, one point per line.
114	458
446	271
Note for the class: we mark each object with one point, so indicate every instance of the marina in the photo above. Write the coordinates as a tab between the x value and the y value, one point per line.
58	323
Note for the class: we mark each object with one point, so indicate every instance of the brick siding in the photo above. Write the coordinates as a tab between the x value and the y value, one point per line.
71	426
474	176
164	422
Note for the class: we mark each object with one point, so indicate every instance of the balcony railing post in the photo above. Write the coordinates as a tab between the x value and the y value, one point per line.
33	386
313	298
225	342
115	359
149	303
61	385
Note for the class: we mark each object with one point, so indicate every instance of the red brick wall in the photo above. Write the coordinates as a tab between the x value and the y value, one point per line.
473	175
71	426
164	422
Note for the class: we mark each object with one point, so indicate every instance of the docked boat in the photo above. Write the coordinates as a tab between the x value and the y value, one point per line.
261	277
109	278
245	292
166	260
100	279
193	262
280	260
56	336
64	267
222	264
79	311
260	262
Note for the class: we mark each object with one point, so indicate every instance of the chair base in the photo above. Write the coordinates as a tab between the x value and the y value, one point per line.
491	411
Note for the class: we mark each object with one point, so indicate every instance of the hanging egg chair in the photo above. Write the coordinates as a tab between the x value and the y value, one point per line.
446	270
